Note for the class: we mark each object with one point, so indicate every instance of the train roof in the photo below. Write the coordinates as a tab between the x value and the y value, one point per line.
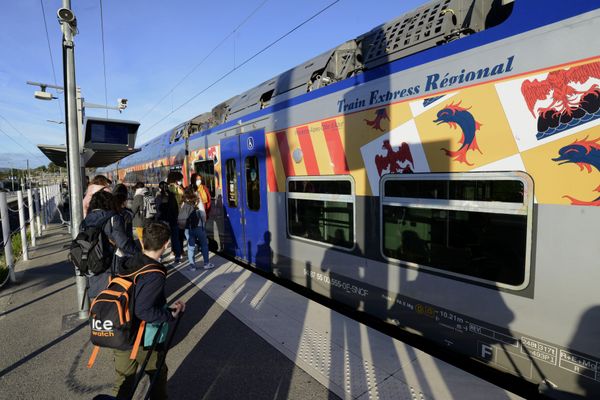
432	24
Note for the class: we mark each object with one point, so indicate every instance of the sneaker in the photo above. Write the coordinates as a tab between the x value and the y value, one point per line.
193	268
169	258
177	261
209	266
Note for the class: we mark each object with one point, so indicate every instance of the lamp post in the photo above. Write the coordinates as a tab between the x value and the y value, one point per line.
74	108
68	23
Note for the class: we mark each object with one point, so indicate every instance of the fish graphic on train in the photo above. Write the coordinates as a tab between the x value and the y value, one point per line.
586	155
456	116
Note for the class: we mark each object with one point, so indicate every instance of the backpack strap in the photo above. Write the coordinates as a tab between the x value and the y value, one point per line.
144	270
93	356
138	340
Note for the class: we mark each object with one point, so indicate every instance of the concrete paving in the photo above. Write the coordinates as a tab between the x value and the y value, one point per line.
215	356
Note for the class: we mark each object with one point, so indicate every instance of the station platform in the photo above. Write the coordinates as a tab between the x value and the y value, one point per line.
242	337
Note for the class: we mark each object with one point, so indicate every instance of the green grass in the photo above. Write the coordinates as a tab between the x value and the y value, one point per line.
17	250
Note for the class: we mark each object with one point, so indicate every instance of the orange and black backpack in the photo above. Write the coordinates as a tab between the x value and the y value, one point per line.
112	316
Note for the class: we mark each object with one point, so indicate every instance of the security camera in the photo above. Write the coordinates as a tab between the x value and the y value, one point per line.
66	15
122	104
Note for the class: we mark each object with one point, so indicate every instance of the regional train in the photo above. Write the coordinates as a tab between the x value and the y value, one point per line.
440	172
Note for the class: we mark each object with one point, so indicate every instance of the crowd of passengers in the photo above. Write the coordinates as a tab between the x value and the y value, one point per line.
124	213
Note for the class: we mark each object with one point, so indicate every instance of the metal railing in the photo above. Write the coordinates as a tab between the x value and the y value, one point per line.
42	203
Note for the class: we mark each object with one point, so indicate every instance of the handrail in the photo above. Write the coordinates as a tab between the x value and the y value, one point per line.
42	204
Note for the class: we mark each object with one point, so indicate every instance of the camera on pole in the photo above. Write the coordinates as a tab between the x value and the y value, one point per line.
65	15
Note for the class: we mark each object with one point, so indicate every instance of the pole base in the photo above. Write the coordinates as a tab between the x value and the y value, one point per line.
71	321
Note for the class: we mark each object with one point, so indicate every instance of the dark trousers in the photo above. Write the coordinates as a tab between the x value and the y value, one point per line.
126	369
176	242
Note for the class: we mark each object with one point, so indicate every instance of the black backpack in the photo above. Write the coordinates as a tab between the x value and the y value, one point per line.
90	251
193	220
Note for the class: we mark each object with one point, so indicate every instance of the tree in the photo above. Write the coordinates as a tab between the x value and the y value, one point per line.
53	167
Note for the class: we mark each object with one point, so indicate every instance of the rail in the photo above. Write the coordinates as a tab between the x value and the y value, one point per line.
41	205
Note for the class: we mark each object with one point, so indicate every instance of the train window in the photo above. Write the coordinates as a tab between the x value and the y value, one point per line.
206	170
252	183
321	209
231	182
323	187
476	190
474	225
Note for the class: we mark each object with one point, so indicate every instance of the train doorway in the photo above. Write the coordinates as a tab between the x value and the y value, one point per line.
245	198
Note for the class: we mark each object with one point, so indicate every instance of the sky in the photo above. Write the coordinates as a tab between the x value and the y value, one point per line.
149	47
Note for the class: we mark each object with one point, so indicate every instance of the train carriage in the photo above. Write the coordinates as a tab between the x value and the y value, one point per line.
440	172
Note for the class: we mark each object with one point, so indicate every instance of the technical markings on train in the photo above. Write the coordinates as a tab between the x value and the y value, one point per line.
334	282
451	316
426	310
539	350
400	302
492	334
579	365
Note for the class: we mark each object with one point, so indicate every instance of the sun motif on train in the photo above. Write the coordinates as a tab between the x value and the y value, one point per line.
565	99
456	116
380	115
586	155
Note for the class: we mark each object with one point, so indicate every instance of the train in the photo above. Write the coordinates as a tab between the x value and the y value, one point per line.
440	173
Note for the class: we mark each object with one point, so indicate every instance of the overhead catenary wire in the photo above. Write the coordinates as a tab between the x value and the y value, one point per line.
243	63
104	58
51	57
20	145
210	53
16	130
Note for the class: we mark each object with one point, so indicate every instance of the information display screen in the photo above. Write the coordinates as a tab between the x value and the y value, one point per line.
109	133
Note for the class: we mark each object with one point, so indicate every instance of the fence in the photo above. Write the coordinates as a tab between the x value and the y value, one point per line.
42	203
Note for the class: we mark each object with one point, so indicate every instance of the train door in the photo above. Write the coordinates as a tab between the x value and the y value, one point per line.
245	202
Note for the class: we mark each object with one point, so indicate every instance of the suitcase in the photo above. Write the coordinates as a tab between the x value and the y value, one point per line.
140	374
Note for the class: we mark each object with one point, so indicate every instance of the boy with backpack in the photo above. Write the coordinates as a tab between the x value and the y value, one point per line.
144	209
150	306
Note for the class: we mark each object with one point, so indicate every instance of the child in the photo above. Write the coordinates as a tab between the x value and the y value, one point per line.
150	306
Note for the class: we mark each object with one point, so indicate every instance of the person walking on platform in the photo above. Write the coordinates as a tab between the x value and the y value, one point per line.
144	209
203	193
100	182
150	306
192	218
175	182
167	211
113	236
